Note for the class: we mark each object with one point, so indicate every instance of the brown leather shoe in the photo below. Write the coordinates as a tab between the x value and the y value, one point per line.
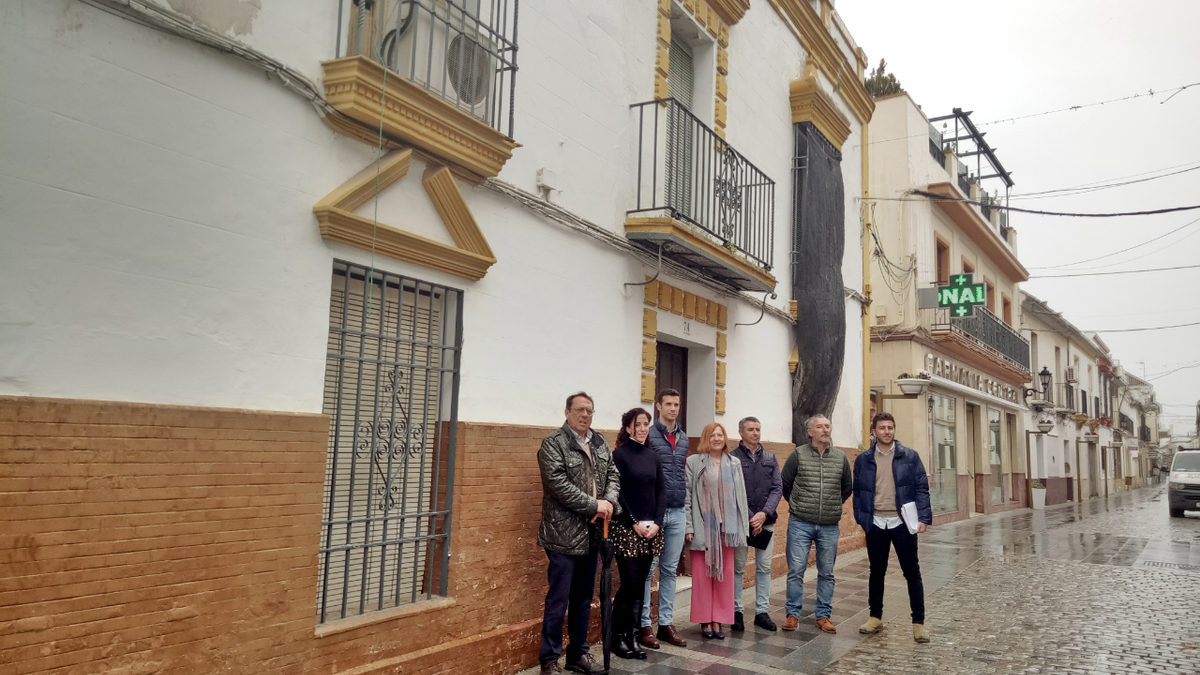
587	665
646	637
791	622
826	625
551	668
669	634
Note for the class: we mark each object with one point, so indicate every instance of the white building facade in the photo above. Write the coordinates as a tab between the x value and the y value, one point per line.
236	209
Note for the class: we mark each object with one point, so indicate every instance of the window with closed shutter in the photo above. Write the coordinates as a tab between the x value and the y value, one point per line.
391	387
680	129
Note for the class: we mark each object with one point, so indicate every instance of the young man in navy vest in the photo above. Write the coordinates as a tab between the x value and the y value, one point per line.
887	477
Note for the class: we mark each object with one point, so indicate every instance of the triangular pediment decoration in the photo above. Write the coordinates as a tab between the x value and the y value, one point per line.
470	257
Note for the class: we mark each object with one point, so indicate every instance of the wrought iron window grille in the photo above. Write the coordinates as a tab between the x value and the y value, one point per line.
391	393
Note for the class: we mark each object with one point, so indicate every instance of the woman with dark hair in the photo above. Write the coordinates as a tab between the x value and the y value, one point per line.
637	531
718	521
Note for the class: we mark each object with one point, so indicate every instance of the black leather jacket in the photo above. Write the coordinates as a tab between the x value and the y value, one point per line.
567	506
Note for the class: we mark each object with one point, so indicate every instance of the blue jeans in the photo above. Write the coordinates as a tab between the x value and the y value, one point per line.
674	530
801	536
762	576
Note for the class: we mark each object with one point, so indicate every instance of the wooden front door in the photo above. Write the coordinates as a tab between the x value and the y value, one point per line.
671	373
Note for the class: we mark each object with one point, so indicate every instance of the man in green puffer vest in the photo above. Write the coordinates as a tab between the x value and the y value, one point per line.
816	482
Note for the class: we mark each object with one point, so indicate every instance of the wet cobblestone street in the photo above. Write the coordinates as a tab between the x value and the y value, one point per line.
1110	586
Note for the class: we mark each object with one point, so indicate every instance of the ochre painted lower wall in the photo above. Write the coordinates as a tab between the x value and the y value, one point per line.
139	538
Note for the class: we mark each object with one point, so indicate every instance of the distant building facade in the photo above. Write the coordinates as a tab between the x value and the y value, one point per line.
1075	458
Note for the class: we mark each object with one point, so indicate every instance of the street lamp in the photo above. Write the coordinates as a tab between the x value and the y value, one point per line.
1045	377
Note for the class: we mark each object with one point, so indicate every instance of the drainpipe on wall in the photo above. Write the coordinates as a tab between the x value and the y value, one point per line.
866	304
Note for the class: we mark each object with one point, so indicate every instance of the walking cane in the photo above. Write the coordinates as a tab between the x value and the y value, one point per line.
606	558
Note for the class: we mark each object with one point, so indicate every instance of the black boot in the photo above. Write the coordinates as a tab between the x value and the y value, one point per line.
620	645
631	641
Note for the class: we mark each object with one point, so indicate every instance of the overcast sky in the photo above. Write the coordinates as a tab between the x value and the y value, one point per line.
1013	58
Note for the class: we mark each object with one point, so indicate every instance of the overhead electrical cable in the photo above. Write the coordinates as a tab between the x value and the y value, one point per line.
943	198
1100	274
1110	180
1140	330
1172	372
1136	257
1073	108
1125	250
1072	192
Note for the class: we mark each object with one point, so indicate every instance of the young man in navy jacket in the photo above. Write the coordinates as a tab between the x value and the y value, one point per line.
887	477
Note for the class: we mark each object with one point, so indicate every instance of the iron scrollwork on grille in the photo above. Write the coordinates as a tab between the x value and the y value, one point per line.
384	439
727	190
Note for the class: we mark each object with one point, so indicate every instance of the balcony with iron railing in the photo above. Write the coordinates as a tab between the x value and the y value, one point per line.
435	74
699	201
1068	397
984	334
935	146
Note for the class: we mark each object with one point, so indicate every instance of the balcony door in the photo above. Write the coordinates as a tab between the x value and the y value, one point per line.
681	87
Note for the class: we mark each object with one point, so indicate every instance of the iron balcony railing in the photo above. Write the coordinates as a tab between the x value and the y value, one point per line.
685	170
988	331
963	183
1145	433
462	51
935	146
986	209
1126	424
936	153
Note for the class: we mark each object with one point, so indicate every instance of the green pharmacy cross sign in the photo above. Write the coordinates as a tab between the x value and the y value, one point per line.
961	295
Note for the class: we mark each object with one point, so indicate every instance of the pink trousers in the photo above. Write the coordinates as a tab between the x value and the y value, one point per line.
712	600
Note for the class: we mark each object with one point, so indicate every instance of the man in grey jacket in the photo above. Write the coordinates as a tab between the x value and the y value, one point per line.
816	482
579	488
764	490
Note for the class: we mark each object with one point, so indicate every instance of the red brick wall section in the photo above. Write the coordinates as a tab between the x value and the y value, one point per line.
139	539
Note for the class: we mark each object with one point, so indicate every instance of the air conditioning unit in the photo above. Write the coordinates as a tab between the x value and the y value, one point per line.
1071	376
444	46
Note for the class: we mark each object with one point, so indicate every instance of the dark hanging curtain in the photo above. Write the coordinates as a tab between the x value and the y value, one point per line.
818	242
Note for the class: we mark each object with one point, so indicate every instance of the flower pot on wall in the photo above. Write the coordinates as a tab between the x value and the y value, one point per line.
912	386
1039	498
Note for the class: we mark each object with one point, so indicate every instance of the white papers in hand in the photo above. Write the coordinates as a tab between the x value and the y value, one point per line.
908	513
